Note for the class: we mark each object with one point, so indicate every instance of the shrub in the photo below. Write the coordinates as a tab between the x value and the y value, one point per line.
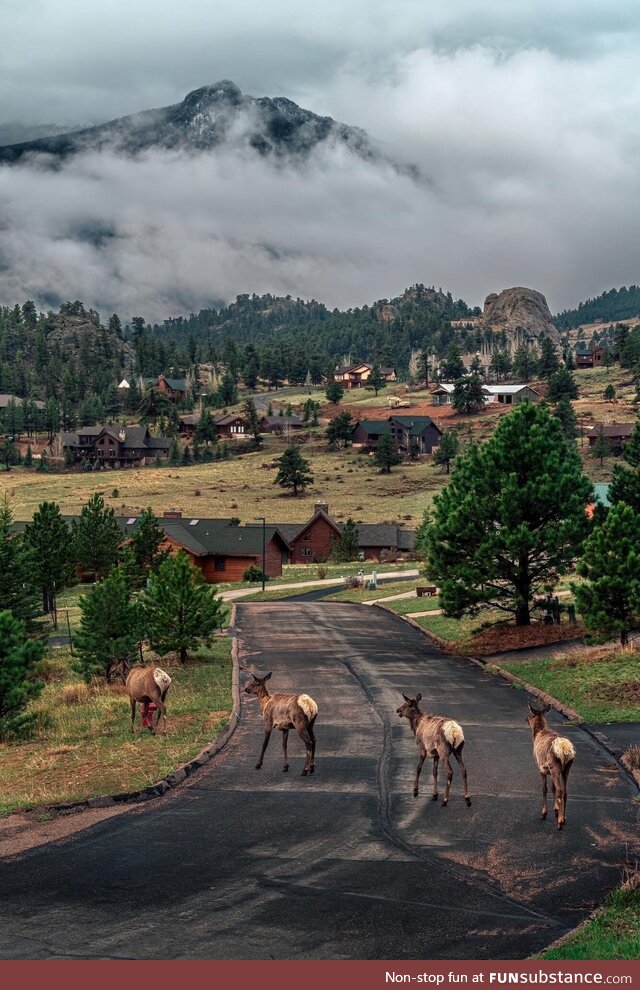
253	574
115	493
73	694
322	572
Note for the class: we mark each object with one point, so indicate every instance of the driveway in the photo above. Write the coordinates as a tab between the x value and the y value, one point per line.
345	864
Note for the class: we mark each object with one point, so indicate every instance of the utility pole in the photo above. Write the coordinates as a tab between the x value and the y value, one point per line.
264	547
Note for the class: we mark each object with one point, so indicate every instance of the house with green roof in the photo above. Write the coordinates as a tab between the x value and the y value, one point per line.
412	434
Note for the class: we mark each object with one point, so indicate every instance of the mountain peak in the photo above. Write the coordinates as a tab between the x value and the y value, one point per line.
225	90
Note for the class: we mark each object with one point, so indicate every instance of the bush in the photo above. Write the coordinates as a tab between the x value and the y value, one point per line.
253	574
73	694
322	572
115	493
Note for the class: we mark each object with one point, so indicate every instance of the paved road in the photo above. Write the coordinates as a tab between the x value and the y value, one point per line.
344	864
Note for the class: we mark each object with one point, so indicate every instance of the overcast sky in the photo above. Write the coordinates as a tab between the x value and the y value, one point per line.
524	118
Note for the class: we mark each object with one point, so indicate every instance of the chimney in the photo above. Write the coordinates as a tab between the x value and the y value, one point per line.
321	507
172	514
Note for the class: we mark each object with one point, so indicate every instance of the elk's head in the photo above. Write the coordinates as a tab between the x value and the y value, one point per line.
410	706
536	716
257	685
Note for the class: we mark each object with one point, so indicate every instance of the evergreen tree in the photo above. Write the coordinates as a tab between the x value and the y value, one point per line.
294	470
250	414
625	481
609	393
18	587
348	546
174	453
501	364
18	684
49	538
339	430
334	392
181	611
609	600
602	447
146	541
453	367
227	392
468	395
110	629
376	379
386	455
96	537
549	362
562	383
566	416
447	451
512	518
28	457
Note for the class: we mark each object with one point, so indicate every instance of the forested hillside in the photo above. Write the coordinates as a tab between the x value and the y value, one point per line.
616	304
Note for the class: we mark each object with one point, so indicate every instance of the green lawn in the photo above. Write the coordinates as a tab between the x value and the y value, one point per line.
601	686
382	591
83	746
455	629
613	934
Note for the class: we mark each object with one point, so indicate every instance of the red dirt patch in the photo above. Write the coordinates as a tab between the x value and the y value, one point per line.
502	638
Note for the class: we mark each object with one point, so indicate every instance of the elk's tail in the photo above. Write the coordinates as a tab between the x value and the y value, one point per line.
308	706
162	679
563	749
453	733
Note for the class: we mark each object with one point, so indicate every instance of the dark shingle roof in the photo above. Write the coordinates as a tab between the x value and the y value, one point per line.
375	427
612	430
414	424
177	384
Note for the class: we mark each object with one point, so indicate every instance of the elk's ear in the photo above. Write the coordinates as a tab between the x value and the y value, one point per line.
545	709
267	676
418	697
256	679
405	698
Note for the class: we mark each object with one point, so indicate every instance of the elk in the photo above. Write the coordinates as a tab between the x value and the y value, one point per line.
436	737
554	755
145	685
284	712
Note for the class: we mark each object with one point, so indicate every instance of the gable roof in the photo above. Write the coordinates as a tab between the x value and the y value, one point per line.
612	430
375	427
282	420
415	425
177	384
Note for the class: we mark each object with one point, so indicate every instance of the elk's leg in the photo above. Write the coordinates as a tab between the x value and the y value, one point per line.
436	764
313	745
162	712
303	732
423	756
285	736
265	743
543	813
133	713
449	769
565	775
463	770
558	798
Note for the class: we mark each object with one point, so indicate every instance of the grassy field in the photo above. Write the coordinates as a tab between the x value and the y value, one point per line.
601	683
613	934
83	746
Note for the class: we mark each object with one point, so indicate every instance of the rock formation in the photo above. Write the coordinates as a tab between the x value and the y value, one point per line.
519	312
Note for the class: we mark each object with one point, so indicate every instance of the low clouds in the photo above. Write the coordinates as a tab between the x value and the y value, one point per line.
523	121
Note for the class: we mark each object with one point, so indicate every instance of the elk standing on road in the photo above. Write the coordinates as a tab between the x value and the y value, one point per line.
146	685
284	712
437	737
554	755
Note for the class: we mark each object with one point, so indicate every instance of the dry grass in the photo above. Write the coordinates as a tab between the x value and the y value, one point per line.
631	759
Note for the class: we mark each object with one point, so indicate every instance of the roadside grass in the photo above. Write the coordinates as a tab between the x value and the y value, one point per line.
83	746
276	594
406	606
601	683
455	630
613	934
381	592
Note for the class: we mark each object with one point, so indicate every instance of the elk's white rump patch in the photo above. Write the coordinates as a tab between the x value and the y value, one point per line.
563	749
161	678
308	706
453	733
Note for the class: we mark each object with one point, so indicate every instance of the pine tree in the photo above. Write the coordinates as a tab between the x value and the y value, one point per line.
96	537
49	538
561	384
609	599
549	362
174	453
602	447
294	470
376	379
18	685
609	393
524	363
468	395
28	457
250	414
110	628
146	541
181	611
512	518
447	450
18	587
348	546
566	416
339	430
334	392
625	481
386	455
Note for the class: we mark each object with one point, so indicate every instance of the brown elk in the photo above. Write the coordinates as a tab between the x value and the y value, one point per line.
554	755
436	737
284	712
148	685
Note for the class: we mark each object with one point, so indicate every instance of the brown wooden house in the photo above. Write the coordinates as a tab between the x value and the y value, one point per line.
175	389
280	424
231	427
412	434
357	375
616	433
312	542
114	446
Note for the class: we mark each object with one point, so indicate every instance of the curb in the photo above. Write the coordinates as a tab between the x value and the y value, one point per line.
182	772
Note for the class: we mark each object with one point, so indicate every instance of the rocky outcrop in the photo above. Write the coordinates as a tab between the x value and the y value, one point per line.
519	309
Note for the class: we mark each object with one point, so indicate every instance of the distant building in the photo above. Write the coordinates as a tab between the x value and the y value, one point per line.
280	424
114	446
412	434
616	433
591	355
508	395
6	400
175	389
357	375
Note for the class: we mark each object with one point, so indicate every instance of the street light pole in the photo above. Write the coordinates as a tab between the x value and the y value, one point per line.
264	548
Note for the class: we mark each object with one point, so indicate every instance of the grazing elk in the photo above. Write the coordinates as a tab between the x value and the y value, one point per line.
436	737
554	755
146	685
284	712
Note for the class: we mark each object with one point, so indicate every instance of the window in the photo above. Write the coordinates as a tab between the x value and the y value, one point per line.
305	551
220	564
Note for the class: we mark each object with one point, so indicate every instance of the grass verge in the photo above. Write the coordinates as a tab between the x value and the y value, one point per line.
83	747
601	683
613	934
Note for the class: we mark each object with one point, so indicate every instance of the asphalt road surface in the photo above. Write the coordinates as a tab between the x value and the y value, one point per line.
344	864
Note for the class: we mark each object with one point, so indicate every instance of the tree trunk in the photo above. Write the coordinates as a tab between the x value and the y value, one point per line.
183	654
523	616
